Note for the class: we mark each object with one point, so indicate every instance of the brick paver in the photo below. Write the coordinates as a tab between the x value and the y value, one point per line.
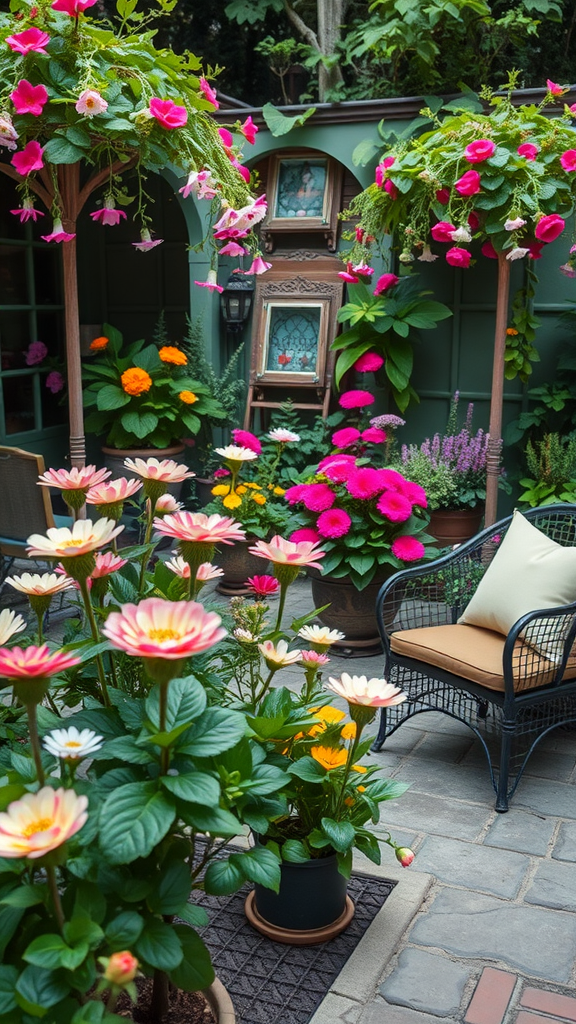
491	997
549	1002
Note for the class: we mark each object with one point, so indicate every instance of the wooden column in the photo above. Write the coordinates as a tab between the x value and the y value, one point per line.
69	185
495	428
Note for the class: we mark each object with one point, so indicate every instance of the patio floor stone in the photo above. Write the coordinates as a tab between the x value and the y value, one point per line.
427	982
472	867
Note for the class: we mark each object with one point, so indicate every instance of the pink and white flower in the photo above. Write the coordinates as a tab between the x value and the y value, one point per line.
39	585
285	552
8	133
58	234
258	266
90	103
374	693
283	436
108	215
146	241
41	822
277	655
233	249
74	479
518	253
84	538
27	212
112	491
314	659
156	628
32	40
10	624
164	470
28	98
34	662
197	526
514	224
106	564
236	453
211	282
321	636
166	504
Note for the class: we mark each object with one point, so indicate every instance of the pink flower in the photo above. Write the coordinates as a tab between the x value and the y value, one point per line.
468	184
233	249
286	552
385	282
211	282
55	382
443	196
209	93
394	506
534	248
167	113
374	435
90	103
528	150
567	269
121	968
29	159
318	497
27	212
364	483
32	40
369	362
392	479
473	221
36	353
415	493
281	435
306	534
258	266
108	215
263	585
29	99
554	89
147	243
112	491
198	527
405	855
201	183
73	479
348	275
164	470
345	437
549	227
408	549
375	693
356	399
72	7
294	494
170	630
390	188
34	662
107	564
457	257
166	503
226	137
489	251
313	658
568	160
479	150
442	231
337	467
381	169
220	473
333	523
243	171
40	822
247	440
8	133
58	234
249	130
572	109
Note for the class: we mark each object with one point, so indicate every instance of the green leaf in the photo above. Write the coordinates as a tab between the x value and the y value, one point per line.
10	918
195	972
24	896
340	833
173	889
186	701
265	779
215	820
279	124
294	852
125	749
10	793
223	877
194	915
139	423
307	769
59	151
134	819
111	397
51	952
8	976
216	730
196	787
124	930
38	989
261	866
159	946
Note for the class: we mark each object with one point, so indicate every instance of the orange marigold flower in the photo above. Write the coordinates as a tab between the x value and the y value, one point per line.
171	354
220	490
135	381
232	501
349	801
328	757
187	396
349	731
99	343
511	331
259	499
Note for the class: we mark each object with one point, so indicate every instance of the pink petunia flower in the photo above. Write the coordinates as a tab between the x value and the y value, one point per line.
457	257
348	275
489	251
227	137
263	586
442	231
364	483
374	435
479	150
246	439
568	160
549	227
72	7
28	159
108	215
90	103
408	549
554	89
394	506
306	533
55	382
242	170
146	242
58	234
356	399
258	266
168	113
391	189
468	184
249	130
345	437
211	282
528	150
333	523
27	212
209	93
318	497
28	98
32	40
369	362
232	249
385	282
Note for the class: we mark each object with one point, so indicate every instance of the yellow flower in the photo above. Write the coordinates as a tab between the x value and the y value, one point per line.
259	499
241	489
328	714
99	343
360	768
349	731
349	801
135	381
279	491
253	486
171	354
328	757
220	490
231	501
188	397
361	789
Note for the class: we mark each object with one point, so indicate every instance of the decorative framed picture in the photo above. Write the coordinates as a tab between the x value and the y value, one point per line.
303	194
294	343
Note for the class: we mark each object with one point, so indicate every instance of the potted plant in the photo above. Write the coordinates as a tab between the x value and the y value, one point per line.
552	467
451	467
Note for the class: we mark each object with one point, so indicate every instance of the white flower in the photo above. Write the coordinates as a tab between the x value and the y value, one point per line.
517	254
8	133
84	537
427	255
320	635
90	103
236	453
40	584
10	623
461	235
514	224
375	693
245	636
283	436
71	743
278	656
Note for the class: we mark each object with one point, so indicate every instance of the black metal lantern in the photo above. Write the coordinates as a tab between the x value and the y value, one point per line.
236	301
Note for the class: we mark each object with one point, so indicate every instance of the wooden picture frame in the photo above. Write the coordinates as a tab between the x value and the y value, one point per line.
294	341
304	189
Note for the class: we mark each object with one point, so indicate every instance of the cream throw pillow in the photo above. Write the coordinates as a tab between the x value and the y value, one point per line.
529	571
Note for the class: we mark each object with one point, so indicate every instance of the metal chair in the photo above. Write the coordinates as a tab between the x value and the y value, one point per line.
507	692
25	507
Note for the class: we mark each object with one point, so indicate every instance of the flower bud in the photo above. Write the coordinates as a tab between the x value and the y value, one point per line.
121	968
405	855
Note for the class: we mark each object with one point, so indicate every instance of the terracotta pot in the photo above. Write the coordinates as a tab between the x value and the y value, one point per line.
238	564
114	460
350	610
455	526
220	1003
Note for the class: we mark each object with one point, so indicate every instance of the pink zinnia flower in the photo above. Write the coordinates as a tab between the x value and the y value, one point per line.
294	494
249	130
394	506
370	362
90	103
40	822
479	150
198	527
34	662
333	523
337	467
32	40
27	212
468	184
73	479
442	231
568	160
72	7
58	234
390	188
457	257
528	150
307	534
374	435
29	159
392	479
168	113
209	93
415	493
356	399
147	242
549	227
287	552
247	440
345	437
408	549
107	564
318	497
28	98
364	483
36	353
108	215
385	282
55	382
263	586
171	630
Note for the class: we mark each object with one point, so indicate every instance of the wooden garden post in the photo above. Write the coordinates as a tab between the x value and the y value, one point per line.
498	366
69	186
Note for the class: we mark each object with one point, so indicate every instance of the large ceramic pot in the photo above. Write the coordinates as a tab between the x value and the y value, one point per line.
114	460
350	610
311	905
220	1003
454	526
238	564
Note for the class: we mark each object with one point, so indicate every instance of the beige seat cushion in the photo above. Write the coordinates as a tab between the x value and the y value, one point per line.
476	654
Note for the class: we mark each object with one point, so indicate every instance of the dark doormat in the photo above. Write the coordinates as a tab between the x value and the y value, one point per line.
271	983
